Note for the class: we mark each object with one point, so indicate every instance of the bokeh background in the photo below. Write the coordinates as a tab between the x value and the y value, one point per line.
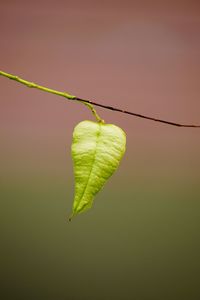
141	238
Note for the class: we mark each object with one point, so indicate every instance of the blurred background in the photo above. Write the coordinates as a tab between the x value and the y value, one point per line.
141	238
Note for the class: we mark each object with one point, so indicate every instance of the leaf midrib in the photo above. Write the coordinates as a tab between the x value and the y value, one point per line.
92	165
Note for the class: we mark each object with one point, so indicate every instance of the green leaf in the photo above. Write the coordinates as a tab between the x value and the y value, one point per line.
97	149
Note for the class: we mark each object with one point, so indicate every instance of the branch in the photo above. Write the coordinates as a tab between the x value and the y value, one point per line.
45	89
90	103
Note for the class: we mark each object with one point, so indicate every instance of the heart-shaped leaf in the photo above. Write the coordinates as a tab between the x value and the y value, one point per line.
97	149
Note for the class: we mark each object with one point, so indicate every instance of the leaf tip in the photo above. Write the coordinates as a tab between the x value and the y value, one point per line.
70	218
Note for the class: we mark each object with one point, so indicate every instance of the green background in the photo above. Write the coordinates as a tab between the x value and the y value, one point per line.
141	238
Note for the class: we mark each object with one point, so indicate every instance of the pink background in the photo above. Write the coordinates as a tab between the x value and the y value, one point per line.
142	56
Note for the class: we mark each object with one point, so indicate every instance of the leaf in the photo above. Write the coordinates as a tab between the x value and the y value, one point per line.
97	149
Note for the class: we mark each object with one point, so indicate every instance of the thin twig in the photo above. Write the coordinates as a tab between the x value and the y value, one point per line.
138	115
90	103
